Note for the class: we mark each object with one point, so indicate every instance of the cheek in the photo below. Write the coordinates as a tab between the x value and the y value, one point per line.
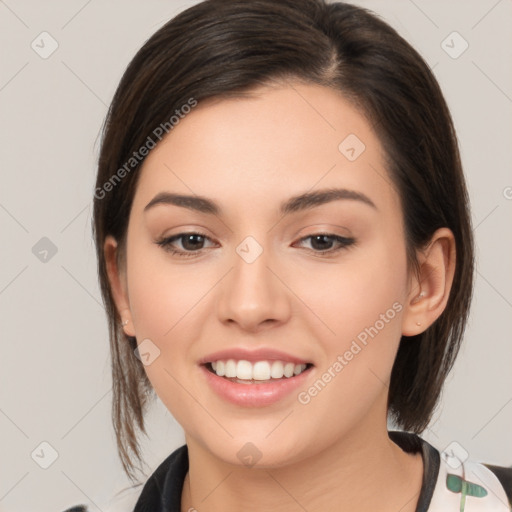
161	293
168	303
351	295
363	309
361	301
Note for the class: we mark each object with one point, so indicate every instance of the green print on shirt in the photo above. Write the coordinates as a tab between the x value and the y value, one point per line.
457	484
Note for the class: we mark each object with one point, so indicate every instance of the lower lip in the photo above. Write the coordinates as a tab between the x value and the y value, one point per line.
254	395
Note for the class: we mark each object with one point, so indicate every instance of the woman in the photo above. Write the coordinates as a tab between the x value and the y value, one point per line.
286	258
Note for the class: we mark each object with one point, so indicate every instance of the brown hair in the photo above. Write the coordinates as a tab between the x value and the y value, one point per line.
220	48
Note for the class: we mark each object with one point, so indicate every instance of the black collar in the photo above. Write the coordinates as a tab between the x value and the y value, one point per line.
411	443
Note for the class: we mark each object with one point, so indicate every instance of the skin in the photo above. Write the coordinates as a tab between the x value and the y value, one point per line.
249	155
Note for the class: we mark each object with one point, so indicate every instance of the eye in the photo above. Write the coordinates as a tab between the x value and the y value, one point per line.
192	243
323	243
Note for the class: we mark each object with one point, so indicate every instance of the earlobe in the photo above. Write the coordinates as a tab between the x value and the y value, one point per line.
117	280
430	288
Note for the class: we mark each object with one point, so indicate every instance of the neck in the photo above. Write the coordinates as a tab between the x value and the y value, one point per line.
362	471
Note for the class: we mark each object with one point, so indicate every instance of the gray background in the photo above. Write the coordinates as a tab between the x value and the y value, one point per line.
55	373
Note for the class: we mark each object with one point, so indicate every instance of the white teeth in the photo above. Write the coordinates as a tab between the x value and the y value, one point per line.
277	370
220	368
244	370
260	370
288	369
230	368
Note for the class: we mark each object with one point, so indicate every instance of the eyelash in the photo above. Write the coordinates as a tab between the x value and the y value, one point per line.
165	243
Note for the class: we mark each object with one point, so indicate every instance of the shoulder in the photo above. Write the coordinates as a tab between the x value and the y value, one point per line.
162	490
504	475
471	485
454	482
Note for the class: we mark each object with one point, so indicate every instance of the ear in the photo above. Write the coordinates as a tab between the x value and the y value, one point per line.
430	289
118	285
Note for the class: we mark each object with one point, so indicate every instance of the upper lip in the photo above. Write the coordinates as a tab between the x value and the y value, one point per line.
253	355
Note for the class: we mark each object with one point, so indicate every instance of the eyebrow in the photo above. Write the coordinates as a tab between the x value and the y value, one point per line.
294	204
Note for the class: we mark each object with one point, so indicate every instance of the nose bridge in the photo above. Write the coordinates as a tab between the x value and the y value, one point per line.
252	294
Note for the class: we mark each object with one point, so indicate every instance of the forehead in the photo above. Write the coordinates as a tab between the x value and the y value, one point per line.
260	149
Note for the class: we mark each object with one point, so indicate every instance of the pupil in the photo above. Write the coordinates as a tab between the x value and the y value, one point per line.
320	237
188	238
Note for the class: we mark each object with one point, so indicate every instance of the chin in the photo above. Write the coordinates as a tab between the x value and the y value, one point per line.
254	451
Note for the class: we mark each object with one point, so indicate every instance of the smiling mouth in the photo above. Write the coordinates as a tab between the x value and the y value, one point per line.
262	372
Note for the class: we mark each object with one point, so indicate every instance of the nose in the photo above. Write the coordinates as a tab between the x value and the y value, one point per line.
253	295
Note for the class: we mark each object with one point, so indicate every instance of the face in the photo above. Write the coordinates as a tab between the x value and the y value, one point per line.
261	275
